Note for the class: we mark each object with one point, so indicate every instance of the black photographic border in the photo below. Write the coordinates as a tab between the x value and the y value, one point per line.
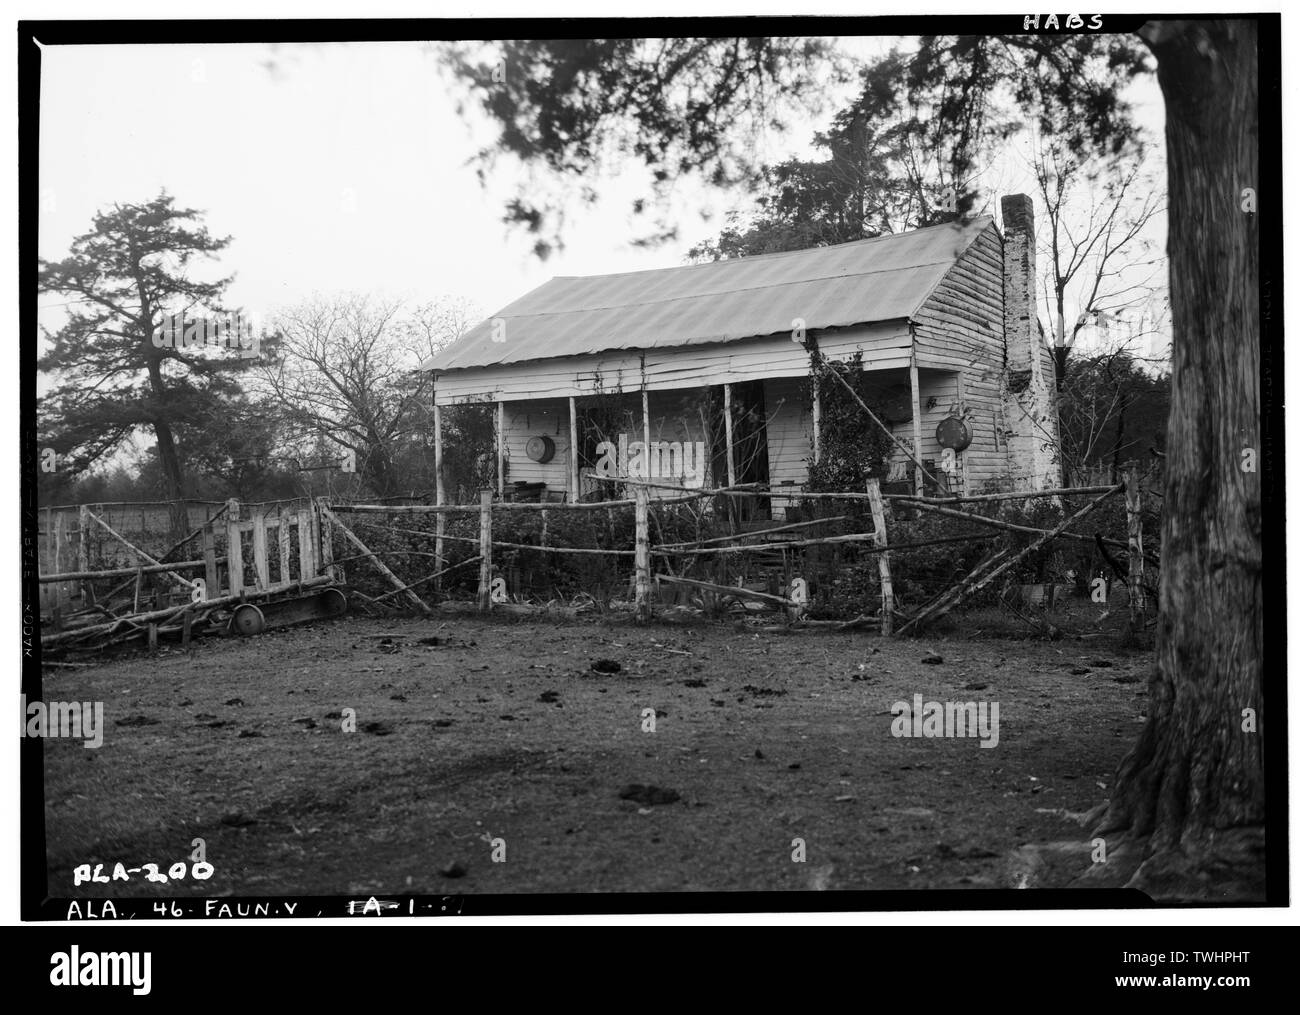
37	905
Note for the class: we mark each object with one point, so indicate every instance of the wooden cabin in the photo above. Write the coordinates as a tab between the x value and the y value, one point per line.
634	370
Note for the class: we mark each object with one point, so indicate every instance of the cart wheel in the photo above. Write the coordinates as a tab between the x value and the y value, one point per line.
333	603
247	619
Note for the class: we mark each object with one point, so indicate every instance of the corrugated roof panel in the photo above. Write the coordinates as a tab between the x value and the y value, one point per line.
880	279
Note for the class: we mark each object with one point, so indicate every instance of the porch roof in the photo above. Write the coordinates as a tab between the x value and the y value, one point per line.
882	279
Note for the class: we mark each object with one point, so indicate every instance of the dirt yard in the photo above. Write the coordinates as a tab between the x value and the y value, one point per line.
470	730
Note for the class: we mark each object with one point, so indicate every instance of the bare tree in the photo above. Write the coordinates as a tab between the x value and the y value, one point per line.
1113	408
1100	257
432	326
346	373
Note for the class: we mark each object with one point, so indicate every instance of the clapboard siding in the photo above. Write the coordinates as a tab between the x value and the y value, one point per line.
789	427
882	345
959	328
789	430
548	418
674	416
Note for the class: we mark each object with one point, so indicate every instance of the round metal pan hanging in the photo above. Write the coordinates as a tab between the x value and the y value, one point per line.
953	433
540	449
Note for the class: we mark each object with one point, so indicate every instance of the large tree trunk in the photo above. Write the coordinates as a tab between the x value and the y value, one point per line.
1187	816
168	457
171	465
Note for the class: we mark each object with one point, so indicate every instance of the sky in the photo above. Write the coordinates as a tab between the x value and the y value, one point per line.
345	168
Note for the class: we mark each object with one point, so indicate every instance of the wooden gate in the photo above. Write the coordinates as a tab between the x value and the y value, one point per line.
284	543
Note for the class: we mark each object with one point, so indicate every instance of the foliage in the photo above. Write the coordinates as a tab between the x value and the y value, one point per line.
880	174
111	381
1112	410
346	374
1094	233
853	447
853	587
688	106
571	106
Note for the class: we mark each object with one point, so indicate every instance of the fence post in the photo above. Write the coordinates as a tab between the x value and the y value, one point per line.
284	520
210	575
642	553
882	541
439	497
485	550
1137	597
731	454
62	592
574	491
326	543
261	569
83	552
914	377
234	548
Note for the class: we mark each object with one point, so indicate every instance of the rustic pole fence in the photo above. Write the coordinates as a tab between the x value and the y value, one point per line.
88	514
882	544
118	572
440	497
997	523
379	565
485	550
751	534
876	542
986	572
427	578
642	554
83	553
971	498
733	591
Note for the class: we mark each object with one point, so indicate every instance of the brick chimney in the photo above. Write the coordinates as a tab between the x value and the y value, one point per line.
1018	285
1029	382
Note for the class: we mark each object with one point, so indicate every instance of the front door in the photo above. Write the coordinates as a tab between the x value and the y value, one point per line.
749	445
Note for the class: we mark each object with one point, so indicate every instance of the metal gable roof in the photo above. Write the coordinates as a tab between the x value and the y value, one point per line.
881	279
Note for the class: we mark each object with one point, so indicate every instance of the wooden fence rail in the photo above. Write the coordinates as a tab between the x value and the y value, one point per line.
644	551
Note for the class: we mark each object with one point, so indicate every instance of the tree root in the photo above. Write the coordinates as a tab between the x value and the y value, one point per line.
1225	867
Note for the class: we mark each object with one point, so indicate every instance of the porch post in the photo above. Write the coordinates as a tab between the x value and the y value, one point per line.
439	493
645	428
501	448
817	417
961	412
573	450
485	550
916	426
731	454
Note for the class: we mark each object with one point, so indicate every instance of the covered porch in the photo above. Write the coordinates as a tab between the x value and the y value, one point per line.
764	431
